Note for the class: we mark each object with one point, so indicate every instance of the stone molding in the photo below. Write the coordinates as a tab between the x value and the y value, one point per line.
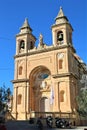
20	80
50	48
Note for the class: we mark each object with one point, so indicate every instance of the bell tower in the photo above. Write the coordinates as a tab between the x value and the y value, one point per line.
61	30
25	40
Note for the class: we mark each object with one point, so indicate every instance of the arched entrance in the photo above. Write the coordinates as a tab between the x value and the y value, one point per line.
40	82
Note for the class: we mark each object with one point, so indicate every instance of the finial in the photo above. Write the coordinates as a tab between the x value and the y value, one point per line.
60	7
60	14
41	39
26	25
26	20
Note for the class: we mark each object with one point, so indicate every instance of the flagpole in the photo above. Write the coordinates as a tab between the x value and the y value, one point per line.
51	96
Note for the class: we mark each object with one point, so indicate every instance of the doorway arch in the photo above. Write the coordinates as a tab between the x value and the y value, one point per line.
39	79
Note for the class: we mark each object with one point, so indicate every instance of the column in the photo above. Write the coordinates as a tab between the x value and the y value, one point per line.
54	37
69	95
17	47
26	45
58	97
16	74
65	37
23	99
15	100
27	103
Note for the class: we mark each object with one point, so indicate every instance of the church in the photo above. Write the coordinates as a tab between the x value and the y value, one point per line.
46	78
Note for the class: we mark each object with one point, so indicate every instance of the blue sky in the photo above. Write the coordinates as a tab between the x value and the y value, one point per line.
41	15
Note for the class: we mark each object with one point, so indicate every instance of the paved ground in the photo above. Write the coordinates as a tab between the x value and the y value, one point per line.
24	125
19	125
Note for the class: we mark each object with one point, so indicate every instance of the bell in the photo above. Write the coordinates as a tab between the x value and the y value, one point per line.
22	45
60	38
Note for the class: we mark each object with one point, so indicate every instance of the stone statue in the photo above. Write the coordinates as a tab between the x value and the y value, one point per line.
41	39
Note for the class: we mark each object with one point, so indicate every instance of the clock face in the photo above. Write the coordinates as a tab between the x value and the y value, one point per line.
60	55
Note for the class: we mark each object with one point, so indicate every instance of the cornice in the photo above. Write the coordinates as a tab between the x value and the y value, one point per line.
19	80
37	51
22	34
56	25
65	75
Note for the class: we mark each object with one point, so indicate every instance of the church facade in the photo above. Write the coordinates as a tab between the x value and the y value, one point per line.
46	78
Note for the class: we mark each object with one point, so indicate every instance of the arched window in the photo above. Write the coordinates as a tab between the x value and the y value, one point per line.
60	63
19	99
60	36
61	96
22	45
31	45
70	38
20	70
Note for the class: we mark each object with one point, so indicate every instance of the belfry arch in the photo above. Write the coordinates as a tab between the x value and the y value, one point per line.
39	82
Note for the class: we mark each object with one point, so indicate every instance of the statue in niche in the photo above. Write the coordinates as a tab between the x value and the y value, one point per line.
44	85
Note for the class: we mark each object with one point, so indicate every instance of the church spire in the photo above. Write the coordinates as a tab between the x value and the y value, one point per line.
60	14
26	27
25	24
62	30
